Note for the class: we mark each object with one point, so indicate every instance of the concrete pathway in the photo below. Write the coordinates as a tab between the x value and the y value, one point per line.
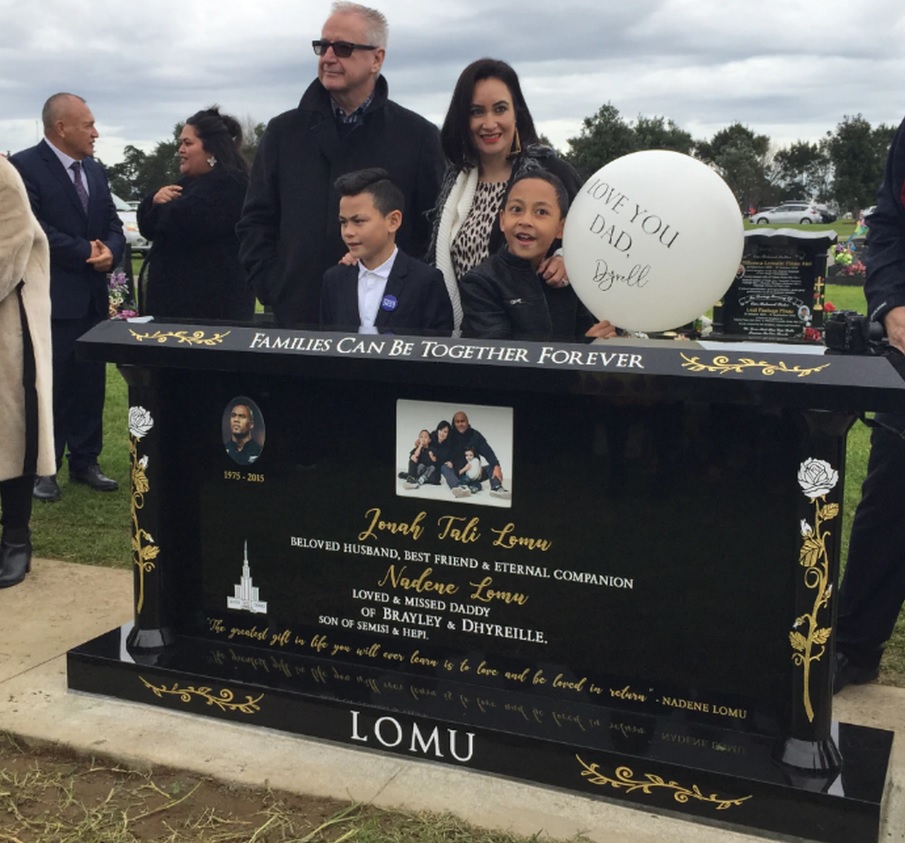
61	605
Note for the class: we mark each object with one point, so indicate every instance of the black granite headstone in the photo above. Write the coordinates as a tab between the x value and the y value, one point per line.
779	290
643	610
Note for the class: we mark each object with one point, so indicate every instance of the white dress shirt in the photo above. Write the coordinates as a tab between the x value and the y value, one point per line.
67	163
371	286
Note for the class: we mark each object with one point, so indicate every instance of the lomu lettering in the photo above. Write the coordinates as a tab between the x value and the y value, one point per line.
390	733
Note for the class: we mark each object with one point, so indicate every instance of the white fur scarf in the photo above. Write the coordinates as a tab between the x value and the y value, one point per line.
455	211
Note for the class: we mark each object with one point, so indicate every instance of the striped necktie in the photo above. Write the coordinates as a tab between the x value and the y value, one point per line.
76	167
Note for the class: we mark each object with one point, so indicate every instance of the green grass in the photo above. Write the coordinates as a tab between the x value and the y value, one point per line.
851	298
88	526
843	228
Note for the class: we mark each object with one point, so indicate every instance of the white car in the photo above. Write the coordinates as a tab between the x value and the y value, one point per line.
789	213
130	226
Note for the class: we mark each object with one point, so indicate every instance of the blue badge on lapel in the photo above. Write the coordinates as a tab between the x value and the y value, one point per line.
389	303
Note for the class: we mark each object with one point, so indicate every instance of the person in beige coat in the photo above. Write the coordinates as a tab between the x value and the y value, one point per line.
26	415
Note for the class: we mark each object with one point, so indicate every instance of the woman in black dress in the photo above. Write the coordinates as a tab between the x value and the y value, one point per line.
194	270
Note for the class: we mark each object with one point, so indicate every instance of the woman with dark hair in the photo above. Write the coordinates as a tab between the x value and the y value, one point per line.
441	447
489	139
193	268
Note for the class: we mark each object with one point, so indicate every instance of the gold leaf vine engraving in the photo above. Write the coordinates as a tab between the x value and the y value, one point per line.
625	780
811	631
721	365
144	548
181	337
224	699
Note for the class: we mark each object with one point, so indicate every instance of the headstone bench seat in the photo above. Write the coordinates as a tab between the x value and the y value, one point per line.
630	594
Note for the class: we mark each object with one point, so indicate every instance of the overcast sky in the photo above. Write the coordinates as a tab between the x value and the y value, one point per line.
790	69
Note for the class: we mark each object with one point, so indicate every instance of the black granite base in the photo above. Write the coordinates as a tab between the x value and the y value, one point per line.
659	763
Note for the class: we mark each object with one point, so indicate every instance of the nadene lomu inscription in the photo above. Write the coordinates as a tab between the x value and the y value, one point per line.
424	582
705	707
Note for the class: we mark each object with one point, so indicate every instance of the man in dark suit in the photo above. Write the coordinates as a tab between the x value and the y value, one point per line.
386	291
70	197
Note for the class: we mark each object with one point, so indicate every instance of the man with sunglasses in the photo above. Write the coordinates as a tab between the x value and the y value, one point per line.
289	232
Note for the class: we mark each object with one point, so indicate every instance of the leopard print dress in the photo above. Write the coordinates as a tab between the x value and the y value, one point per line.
471	245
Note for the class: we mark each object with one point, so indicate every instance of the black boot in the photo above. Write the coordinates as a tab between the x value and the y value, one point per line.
15	562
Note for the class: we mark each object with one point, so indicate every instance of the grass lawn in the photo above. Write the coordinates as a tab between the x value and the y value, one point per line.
93	528
843	228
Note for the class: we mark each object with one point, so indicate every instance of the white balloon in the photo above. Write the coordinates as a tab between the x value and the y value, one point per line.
653	240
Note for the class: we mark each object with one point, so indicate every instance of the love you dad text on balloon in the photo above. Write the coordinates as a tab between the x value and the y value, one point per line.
629	213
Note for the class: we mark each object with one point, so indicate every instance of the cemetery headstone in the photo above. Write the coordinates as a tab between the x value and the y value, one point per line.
779	289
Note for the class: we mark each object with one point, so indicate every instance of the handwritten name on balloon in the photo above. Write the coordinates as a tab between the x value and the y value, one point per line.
621	206
604	277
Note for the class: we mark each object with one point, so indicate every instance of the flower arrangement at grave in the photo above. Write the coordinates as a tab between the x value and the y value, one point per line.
857	268
812	333
119	296
843	255
848	262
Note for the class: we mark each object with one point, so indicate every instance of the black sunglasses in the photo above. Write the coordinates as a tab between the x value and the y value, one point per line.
341	49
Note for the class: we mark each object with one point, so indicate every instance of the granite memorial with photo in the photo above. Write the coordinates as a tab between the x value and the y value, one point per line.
646	617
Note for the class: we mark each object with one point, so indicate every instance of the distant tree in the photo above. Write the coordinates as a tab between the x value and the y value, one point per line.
660	133
858	155
545	141
607	136
124	176
141	173
603	138
802	171
251	137
161	166
881	137
741	158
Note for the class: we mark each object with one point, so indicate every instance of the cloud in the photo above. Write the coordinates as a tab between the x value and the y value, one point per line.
791	69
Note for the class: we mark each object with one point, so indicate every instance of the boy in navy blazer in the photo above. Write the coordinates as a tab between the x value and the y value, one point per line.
386	291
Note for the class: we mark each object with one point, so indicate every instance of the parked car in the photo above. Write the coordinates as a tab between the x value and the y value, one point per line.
826	214
793	213
130	226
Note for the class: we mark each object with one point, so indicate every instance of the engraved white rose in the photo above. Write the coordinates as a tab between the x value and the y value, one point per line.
140	422
806	528
817	478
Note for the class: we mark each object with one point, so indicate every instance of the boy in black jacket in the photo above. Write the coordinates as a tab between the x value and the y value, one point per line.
504	297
